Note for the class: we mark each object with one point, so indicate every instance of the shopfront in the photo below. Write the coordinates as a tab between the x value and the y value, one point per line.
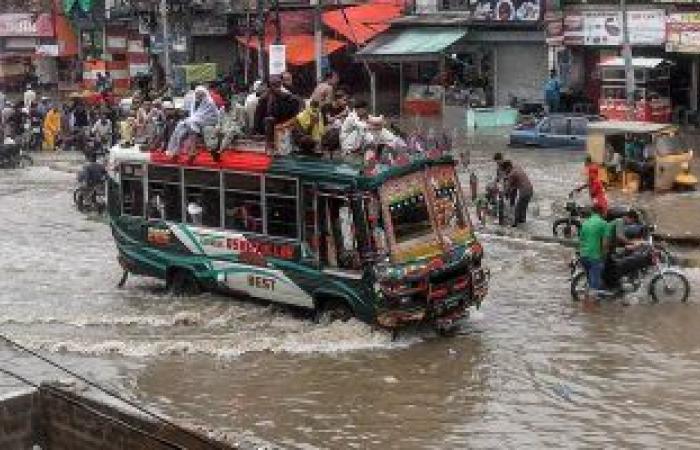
20	34
581	39
494	53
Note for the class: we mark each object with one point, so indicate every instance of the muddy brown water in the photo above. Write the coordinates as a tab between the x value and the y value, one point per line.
529	370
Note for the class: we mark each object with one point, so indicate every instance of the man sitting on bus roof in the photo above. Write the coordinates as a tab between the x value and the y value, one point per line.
274	108
203	113
308	128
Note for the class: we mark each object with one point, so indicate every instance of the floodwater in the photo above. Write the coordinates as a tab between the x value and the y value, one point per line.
529	370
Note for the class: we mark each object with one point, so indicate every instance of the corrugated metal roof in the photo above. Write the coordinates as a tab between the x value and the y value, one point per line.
425	43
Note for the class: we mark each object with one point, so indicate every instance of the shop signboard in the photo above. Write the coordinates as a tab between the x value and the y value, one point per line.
602	28
683	33
278	59
554	27
645	27
499	10
209	26
26	25
47	50
574	29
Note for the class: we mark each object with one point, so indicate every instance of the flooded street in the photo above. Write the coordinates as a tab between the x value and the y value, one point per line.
531	369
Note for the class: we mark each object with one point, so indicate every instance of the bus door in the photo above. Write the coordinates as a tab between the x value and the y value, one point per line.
336	236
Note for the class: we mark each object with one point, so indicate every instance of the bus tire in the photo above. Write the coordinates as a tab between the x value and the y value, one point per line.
333	310
182	282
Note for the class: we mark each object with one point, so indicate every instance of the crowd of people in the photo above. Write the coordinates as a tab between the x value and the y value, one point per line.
329	123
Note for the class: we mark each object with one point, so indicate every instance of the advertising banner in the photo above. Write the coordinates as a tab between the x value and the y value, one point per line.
647	27
26	25
506	10
644	27
602	28
683	33
574	29
278	59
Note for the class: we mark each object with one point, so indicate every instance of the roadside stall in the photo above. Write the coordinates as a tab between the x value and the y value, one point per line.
652	90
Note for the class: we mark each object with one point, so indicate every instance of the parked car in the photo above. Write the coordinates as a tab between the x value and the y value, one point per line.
554	131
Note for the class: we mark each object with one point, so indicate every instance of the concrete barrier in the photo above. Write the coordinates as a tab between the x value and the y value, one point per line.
57	417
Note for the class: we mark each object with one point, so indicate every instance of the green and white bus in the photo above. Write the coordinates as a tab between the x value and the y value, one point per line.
390	249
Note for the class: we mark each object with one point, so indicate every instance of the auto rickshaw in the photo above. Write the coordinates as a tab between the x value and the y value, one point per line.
638	156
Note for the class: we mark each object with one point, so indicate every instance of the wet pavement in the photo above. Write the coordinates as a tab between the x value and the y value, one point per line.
529	370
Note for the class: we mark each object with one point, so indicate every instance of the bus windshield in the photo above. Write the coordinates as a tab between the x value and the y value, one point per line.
406	208
410	218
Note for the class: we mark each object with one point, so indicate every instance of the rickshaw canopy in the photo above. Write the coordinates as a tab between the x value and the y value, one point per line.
620	127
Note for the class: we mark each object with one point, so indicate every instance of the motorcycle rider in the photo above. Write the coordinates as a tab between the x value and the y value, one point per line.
621	241
593	244
594	185
102	132
92	175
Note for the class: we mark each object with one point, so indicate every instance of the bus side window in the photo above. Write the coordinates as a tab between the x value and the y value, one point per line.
164	199
202	188
242	202
132	190
281	207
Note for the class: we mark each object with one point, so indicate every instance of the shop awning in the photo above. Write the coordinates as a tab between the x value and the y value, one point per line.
66	38
300	47
411	44
363	22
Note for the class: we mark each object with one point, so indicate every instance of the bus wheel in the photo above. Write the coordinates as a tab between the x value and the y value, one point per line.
182	283
333	310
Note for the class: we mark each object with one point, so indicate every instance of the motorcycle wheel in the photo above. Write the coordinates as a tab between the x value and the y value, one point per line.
566	228
579	286
25	161
79	200
669	286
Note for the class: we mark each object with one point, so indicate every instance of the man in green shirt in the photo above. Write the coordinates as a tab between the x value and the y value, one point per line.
592	246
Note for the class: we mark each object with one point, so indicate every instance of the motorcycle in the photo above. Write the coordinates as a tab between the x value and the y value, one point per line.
666	283
90	198
12	156
569	227
495	204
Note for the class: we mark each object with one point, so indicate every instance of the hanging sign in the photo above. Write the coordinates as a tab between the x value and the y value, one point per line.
278	59
683	33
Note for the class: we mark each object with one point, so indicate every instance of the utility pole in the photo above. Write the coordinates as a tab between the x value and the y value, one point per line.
629	70
166	44
278	23
260	10
318	40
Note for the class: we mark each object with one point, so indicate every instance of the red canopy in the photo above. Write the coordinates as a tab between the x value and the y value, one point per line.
363	22
300	47
233	160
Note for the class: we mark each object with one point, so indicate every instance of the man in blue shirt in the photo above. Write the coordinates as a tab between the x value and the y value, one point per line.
552	92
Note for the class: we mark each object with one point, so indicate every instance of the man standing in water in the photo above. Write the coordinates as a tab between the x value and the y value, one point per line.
552	92
519	190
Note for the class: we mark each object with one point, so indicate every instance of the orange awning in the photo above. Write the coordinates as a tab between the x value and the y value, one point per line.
300	47
363	22
66	38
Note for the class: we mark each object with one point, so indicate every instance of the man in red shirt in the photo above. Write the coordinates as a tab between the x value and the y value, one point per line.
595	186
